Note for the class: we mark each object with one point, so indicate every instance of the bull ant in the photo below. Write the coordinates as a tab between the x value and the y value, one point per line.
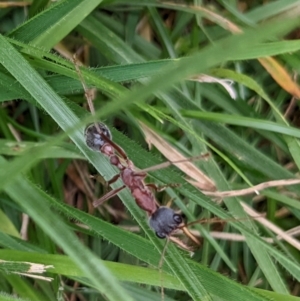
163	220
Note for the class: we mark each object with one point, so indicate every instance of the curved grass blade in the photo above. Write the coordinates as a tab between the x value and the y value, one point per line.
51	25
24	194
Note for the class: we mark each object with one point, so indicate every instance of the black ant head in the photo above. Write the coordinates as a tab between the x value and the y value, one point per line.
164	221
93	138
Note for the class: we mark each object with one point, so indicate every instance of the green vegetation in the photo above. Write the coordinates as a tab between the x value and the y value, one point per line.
160	73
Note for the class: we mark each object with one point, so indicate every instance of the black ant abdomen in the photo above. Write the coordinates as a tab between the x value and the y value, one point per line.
164	221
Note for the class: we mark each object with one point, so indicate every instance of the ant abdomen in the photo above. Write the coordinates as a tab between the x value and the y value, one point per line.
93	138
164	221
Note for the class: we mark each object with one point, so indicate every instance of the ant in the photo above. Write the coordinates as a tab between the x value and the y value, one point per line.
163	220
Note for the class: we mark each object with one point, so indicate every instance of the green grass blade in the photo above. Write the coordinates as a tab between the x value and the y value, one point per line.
244	121
53	24
92	268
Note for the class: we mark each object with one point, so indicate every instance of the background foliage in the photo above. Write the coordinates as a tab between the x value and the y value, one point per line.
145	64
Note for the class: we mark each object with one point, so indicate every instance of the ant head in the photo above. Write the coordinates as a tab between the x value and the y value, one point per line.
164	221
93	138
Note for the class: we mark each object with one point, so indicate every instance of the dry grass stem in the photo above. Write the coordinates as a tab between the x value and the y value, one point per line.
172	155
252	189
288	238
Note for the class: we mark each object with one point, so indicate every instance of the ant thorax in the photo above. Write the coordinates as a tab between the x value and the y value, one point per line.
93	138
164	221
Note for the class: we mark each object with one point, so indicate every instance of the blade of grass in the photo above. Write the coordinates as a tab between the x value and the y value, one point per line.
63	265
92	268
243	121
158	81
53	24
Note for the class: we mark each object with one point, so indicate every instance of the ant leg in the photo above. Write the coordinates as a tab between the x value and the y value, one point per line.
161	262
139	173
168	163
157	188
162	187
214	220
108	196
113	179
169	204
181	244
153	186
188	233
